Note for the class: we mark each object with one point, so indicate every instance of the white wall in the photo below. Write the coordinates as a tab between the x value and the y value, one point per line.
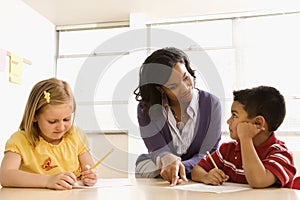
29	35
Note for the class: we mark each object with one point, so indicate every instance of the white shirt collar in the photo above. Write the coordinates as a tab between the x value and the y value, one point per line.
191	109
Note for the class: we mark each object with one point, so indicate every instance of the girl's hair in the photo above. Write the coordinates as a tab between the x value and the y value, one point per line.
156	71
60	93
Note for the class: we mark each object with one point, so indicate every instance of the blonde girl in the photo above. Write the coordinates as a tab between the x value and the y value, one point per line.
48	151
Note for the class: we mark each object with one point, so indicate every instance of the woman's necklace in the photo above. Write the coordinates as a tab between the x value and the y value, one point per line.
180	122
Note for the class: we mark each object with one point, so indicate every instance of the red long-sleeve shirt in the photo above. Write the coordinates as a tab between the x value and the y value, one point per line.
273	153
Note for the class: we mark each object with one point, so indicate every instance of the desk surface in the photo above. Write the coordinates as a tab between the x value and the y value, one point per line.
143	189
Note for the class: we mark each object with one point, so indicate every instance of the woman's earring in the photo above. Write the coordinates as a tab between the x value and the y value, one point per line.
163	94
194	83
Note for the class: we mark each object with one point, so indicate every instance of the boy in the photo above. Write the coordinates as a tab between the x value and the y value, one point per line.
255	156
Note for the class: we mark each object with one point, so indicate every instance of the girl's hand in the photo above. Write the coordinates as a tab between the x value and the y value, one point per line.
89	175
61	181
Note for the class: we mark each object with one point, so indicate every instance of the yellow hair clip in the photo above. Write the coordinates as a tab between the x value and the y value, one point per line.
47	96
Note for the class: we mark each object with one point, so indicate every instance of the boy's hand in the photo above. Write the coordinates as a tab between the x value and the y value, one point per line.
248	130
215	177
89	175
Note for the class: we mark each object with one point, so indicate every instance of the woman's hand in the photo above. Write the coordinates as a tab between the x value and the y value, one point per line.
172	169
89	175
61	181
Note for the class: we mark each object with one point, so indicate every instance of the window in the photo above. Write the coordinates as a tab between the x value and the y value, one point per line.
228	54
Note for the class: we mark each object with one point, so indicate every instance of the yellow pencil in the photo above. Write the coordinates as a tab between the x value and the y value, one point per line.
212	160
101	160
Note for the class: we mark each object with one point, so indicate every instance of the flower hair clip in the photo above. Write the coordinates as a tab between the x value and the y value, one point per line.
47	96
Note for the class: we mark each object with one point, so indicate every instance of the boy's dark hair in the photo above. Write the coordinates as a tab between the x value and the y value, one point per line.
265	101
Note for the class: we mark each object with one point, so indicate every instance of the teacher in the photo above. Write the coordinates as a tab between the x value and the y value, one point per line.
178	122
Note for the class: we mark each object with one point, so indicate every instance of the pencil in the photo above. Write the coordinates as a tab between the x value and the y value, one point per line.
212	160
101	160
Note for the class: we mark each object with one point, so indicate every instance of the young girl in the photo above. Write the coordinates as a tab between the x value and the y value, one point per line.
48	150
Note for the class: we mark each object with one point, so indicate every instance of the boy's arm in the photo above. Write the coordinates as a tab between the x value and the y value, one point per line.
256	174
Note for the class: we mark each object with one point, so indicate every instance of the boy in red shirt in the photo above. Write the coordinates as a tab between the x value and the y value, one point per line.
255	156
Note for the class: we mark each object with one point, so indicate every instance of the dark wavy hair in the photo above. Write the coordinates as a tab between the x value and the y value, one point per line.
264	101
155	71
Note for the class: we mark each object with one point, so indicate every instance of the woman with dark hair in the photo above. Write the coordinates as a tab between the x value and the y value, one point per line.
178	122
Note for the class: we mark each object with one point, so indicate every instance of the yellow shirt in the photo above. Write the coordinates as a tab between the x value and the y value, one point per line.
46	158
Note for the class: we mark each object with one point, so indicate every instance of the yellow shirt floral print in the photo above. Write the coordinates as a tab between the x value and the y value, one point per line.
46	158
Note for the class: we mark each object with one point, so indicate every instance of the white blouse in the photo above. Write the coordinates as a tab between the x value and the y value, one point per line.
184	135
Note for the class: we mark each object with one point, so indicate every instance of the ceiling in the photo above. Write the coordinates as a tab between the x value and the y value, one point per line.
73	12
76	12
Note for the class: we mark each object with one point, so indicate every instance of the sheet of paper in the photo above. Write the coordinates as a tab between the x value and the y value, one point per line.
226	187
101	183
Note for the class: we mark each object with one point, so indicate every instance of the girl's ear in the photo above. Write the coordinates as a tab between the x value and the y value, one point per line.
35	119
260	122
